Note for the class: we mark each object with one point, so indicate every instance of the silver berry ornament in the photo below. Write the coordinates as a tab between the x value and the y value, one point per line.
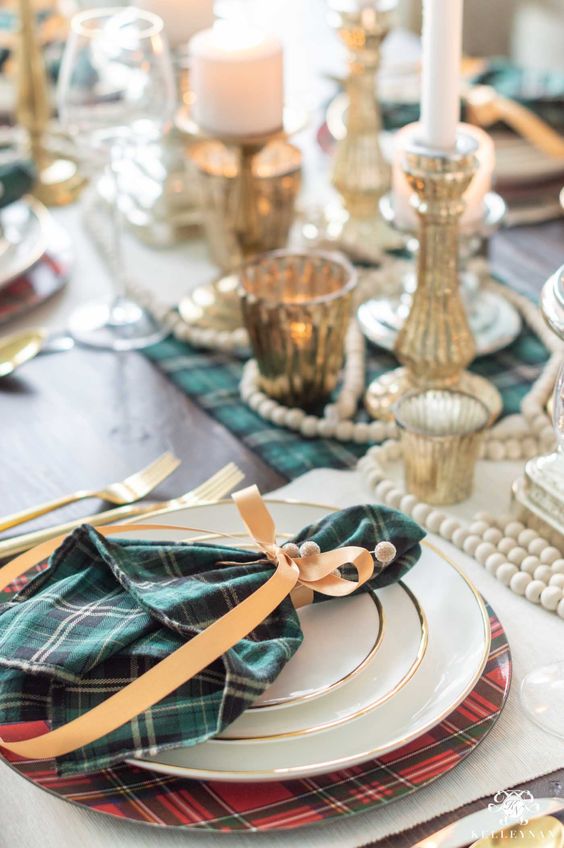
309	549
291	549
385	552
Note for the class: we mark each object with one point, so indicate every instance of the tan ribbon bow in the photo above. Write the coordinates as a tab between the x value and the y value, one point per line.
313	572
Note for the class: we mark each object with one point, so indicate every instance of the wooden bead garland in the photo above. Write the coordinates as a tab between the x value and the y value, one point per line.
516	555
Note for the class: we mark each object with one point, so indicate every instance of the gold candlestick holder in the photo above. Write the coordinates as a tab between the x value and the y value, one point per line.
248	188
58	180
360	173
435	344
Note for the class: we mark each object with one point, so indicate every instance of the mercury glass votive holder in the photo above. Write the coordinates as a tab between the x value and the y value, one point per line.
441	432
297	308
248	194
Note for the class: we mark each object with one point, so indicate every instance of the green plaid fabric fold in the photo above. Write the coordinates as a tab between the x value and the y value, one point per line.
104	612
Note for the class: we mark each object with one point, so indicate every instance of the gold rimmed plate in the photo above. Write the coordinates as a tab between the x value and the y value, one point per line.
457	649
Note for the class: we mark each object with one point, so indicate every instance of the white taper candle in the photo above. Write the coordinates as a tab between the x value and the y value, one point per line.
440	83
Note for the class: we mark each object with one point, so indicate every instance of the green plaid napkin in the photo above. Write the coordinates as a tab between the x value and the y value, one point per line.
103	612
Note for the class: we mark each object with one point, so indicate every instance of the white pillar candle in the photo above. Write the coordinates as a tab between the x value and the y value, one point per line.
181	19
237	80
474	195
440	73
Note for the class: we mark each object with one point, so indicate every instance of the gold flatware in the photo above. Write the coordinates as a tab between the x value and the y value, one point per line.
544	832
133	488
18	348
486	107
216	487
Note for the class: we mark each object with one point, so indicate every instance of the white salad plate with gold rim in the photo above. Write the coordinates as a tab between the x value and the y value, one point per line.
452	655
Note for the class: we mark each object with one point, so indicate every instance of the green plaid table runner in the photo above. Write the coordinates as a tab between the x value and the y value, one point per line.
212	381
104	612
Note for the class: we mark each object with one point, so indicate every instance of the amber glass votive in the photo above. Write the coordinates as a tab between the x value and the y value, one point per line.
441	432
297	308
248	195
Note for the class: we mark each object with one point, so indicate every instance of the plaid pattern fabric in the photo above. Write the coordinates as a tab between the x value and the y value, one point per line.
212	381
104	612
129	793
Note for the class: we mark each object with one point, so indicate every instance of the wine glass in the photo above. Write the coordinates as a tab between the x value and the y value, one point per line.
542	690
115	91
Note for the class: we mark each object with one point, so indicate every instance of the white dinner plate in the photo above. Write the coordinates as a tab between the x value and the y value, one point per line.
458	647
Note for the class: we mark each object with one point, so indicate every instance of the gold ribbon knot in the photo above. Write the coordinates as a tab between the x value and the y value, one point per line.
297	577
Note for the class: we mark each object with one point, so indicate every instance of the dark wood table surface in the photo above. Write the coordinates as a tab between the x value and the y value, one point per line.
88	417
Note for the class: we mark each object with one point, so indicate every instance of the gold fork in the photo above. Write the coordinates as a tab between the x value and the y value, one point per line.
133	488
216	487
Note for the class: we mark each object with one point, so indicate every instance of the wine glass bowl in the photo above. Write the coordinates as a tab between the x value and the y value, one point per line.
115	92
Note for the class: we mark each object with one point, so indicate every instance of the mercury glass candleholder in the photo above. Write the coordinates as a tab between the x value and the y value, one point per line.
441	432
360	172
248	195
494	322
297	309
435	344
248	187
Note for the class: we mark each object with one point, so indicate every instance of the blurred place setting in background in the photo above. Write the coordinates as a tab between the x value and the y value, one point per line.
290	273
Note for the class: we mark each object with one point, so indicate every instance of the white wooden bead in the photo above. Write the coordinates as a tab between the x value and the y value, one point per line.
529	447
543	572
494	561
344	430
266	407
517	555
533	591
513	448
503	519
519	582
420	512
506	545
279	416
470	544
558	566
478	528
383	488
434	520
551	597
513	529
537	546
493	535
483	551
448	527
376	431
505	573
560	608
326	429
550	555
526	536
485	516
374	477
393	498
459	536
557	580
308	426
530	564
495	451
538	423
294	417
361	432
407	503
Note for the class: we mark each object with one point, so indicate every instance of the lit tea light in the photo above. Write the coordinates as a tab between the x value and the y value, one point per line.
237	80
301	333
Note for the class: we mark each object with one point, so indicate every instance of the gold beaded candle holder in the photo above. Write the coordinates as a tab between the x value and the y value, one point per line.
441	432
435	344
360	172
297	309
58	180
248	188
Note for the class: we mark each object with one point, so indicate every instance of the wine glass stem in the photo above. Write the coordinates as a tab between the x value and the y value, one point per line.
118	263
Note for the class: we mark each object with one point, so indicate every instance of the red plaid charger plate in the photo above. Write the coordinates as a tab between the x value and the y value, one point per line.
130	793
